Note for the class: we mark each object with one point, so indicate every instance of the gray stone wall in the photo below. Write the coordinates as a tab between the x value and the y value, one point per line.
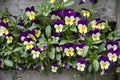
106	10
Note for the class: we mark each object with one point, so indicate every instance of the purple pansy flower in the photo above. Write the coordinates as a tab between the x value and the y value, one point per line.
69	49
18	69
85	12
56	14
58	47
77	17
112	55
36	52
56	37
9	38
82	26
58	25
112	45
81	64
45	47
93	1
3	29
79	48
69	16
54	68
30	12
82	1
95	34
104	62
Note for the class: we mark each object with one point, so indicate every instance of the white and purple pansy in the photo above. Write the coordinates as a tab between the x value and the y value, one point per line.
82	26
54	68
104	62
94	23
85	12
44	47
81	64
82	1
58	47
79	48
112	45
55	15
95	34
101	24
69	17
3	29
30	12
35	52
36	32
58	25
9	38
29	43
77	17
24	35
112	55
56	37
69	49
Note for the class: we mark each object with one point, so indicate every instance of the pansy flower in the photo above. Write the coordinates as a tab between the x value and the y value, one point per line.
79	48
69	49
112	55
58	25
85	12
58	47
95	34
52	1
3	29
112	45
35	52
44	47
18	69
81	64
29	43
83	37
94	23
30	12
56	14
24	35
93	1
9	38
5	20
65	1
36	32
82	1
101	24
82	26
69	17
77	17
54	68
1	63
56	37
104	62
39	67
21	23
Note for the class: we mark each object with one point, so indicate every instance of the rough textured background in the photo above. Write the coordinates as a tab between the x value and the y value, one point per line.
106	10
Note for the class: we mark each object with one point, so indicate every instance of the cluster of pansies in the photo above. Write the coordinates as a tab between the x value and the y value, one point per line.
57	37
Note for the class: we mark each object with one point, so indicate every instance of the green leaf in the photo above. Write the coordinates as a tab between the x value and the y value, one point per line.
95	65
74	64
52	53
97	42
63	42
18	49
69	3
33	27
48	31
74	29
85	51
8	62
90	68
58	56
